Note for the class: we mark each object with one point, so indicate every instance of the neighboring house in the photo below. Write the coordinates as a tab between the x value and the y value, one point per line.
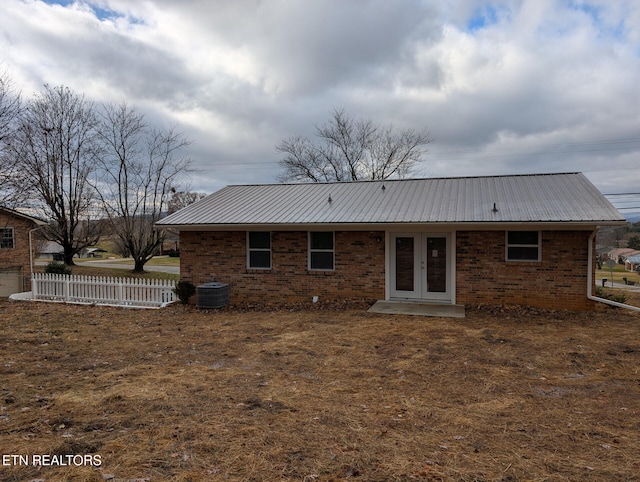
91	253
523	239
15	254
50	250
621	254
632	263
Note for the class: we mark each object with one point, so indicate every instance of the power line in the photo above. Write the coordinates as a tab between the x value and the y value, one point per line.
603	145
619	200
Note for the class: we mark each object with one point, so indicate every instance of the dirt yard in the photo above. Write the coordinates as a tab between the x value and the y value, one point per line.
329	393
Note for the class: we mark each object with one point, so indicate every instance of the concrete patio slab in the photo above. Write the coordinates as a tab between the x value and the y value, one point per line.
417	308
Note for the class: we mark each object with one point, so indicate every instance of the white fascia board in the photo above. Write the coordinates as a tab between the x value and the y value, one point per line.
510	225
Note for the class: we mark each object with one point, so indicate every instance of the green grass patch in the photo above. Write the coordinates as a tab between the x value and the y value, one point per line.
164	261
618	274
118	273
155	261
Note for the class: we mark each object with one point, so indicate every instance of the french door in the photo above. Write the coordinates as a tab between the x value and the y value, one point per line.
420	266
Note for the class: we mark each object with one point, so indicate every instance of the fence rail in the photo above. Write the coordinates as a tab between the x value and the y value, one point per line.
102	290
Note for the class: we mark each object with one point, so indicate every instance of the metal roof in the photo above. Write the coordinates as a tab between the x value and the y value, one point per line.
555	198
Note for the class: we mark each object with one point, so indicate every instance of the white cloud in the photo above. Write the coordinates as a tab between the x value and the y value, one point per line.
508	86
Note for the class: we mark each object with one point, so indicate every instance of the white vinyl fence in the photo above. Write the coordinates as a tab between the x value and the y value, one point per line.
102	290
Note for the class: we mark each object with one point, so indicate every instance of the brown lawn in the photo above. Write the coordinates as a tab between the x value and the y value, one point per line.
318	395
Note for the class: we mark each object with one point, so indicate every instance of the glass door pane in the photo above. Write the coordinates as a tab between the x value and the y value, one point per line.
436	260
405	263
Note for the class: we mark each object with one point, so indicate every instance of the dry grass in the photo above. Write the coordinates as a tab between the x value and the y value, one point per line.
322	394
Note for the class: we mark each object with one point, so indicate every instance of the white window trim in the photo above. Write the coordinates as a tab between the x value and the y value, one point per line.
309	251
507	246
12	238
250	249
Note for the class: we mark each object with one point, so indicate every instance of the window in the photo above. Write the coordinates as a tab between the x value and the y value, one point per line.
258	250
523	246
6	238
321	252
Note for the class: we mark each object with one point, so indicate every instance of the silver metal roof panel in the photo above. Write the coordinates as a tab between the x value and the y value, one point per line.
565	197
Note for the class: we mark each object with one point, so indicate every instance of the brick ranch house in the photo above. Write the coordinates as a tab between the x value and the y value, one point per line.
15	254
520	239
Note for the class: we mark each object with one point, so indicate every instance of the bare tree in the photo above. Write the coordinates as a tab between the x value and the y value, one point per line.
181	199
140	168
10	107
348	150
56	150
11	189
633	241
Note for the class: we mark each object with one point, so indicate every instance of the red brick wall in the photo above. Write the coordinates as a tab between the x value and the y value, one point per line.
359	266
18	257
559	281
483	275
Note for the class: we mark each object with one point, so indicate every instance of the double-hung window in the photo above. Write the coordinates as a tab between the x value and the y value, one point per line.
321	251
258	250
524	245
6	238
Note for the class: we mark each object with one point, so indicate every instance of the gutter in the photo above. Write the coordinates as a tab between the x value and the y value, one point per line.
590	281
388	225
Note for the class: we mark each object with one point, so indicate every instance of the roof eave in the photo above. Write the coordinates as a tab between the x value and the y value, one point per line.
471	225
26	217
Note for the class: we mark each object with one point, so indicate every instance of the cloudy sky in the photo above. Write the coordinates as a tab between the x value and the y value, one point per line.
512	86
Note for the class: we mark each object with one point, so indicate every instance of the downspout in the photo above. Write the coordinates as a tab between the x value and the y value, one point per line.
31	249
590	280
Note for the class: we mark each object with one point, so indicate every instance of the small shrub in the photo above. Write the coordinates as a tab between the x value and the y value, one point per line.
55	267
184	290
174	253
607	295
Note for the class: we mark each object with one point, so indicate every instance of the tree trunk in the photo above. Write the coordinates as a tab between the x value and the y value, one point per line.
138	266
68	256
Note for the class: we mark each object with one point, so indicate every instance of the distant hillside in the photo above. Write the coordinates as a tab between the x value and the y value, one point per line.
632	217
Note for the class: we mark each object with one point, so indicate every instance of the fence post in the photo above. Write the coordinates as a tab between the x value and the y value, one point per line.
120	290
34	285
67	286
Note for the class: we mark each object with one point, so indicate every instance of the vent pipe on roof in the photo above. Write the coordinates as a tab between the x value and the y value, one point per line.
330	199
383	188
495	208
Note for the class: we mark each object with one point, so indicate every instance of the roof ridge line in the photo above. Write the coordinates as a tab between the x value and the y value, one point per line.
364	181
